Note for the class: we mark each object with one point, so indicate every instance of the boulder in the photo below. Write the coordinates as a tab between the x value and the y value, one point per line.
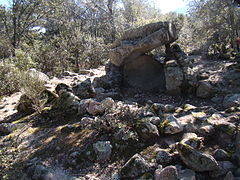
144	73
196	160
136	42
135	167
66	102
84	89
25	105
33	73
174	78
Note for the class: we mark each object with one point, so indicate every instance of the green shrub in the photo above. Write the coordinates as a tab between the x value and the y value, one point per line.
9	79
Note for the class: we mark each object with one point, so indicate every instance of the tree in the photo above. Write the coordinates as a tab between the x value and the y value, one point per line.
215	21
20	17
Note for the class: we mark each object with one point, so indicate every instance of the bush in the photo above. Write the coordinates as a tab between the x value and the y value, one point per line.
9	79
33	87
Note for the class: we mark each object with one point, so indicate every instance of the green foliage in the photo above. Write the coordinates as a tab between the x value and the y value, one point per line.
9	79
22	60
32	86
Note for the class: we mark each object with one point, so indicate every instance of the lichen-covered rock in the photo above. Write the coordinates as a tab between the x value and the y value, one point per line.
84	89
231	100
146	130
66	102
205	90
141	40
174	78
170	125
135	167
103	150
167	173
196	160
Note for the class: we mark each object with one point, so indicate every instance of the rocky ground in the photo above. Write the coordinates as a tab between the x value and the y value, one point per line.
90	131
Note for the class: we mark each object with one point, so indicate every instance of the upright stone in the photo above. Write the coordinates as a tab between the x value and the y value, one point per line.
144	72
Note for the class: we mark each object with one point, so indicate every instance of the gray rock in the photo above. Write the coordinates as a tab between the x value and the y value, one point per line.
196	160
84	89
205	89
174	79
142	40
103	150
135	167
171	125
146	130
167	173
224	167
164	157
231	100
220	155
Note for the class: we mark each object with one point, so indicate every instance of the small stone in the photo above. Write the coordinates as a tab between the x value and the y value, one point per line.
103	150
167	173
196	160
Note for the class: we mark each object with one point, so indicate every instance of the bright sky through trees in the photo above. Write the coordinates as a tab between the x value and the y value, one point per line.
165	5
